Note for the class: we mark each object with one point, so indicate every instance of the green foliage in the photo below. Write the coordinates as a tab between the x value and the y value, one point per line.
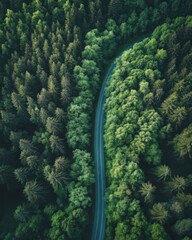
157	232
22	174
159	213
57	175
30	228
79	197
57	144
184	227
51	68
182	143
177	184
34	191
57	226
81	169
22	213
147	190
147	131
162	172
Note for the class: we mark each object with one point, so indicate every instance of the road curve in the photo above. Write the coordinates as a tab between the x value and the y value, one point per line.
98	231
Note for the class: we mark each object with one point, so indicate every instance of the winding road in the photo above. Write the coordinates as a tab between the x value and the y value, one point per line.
98	232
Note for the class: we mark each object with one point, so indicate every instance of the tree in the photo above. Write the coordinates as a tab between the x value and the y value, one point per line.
115	8
22	174
81	169
15	137
152	153
18	101
183	227
61	164
31	88
156	16
57	230
27	147
164	9
66	91
183	143
34	191
23	212
71	227
178	116
157	232
46	49
32	161
43	98
32	227
43	115
162	172
177	184
149	99
159	213
184	199
93	12
143	20
56	178
147	190
121	231
161	56
79	197
57	175
33	110
169	105
176	207
57	144
54	126
53	87
144	87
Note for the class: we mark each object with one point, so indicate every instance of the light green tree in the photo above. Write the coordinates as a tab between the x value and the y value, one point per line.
147	190
162	172
159	213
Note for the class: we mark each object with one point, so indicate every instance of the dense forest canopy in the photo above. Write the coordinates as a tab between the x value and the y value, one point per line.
52	58
148	138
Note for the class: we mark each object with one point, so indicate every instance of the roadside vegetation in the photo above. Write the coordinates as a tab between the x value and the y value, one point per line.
148	138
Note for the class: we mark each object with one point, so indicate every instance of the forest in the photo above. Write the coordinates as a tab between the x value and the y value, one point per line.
148	138
53	56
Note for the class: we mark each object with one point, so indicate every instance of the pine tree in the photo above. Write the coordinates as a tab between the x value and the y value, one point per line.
55	177
43	98
23	212
34	191
46	49
65	92
162	172
54	126
22	174
159	213
27	148
32	161
115	8
176	184
57	144
147	190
